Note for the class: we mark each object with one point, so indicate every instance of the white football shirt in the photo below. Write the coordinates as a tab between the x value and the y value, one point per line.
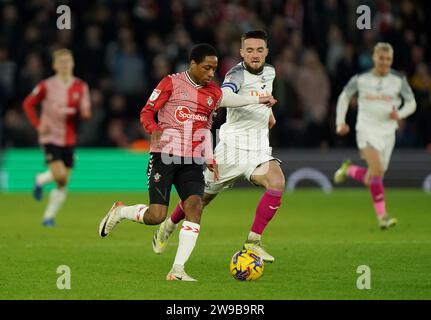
377	96
247	127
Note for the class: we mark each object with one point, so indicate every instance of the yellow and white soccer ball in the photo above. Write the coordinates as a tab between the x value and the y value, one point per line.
246	265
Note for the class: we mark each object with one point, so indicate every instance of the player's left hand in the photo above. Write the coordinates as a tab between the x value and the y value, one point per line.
268	101
272	102
394	114
85	114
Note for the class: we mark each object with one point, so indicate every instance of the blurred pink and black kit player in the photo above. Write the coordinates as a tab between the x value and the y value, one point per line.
63	99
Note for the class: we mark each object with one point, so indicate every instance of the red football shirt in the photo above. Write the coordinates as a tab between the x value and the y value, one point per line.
61	104
185	110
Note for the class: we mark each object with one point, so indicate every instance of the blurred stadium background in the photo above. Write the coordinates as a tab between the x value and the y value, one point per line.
123	48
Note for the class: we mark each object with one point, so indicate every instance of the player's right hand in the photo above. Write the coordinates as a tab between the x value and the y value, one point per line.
155	138
343	129
43	128
394	114
269	101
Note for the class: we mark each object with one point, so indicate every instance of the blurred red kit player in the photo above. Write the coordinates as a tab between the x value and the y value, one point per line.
63	98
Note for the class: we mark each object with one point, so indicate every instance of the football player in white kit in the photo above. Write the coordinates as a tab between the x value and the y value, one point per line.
243	150
379	100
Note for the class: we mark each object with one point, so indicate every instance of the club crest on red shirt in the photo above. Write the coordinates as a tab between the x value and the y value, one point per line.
209	101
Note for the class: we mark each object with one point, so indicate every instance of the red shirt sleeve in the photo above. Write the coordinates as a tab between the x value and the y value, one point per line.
85	103
32	100
218	97
155	102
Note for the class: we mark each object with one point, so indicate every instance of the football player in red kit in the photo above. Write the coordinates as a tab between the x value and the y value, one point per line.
63	98
181	144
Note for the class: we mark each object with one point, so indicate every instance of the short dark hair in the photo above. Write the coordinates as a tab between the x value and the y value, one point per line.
200	51
255	34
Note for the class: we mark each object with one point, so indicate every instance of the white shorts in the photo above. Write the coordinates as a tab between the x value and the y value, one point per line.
234	163
383	143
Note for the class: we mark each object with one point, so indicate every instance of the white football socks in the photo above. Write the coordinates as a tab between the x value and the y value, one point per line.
253	236
187	241
170	226
134	213
44	178
56	199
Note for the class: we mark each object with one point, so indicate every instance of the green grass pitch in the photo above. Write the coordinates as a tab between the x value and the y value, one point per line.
318	241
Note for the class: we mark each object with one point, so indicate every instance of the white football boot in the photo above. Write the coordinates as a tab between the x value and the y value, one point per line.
256	246
387	222
111	219
161	237
177	273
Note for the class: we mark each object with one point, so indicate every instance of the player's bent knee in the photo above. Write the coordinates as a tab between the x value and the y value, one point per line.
61	181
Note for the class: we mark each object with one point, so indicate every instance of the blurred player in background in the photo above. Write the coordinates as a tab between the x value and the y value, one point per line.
380	91
243	150
63	98
180	144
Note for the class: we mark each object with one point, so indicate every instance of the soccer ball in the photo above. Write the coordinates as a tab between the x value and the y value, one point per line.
246	265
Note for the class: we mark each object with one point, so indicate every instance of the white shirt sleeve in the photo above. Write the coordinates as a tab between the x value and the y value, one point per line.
409	100
233	100
344	99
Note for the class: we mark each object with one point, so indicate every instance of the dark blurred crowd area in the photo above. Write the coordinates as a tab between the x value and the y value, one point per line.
124	48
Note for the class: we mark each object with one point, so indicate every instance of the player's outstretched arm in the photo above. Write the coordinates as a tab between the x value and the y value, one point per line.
232	100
